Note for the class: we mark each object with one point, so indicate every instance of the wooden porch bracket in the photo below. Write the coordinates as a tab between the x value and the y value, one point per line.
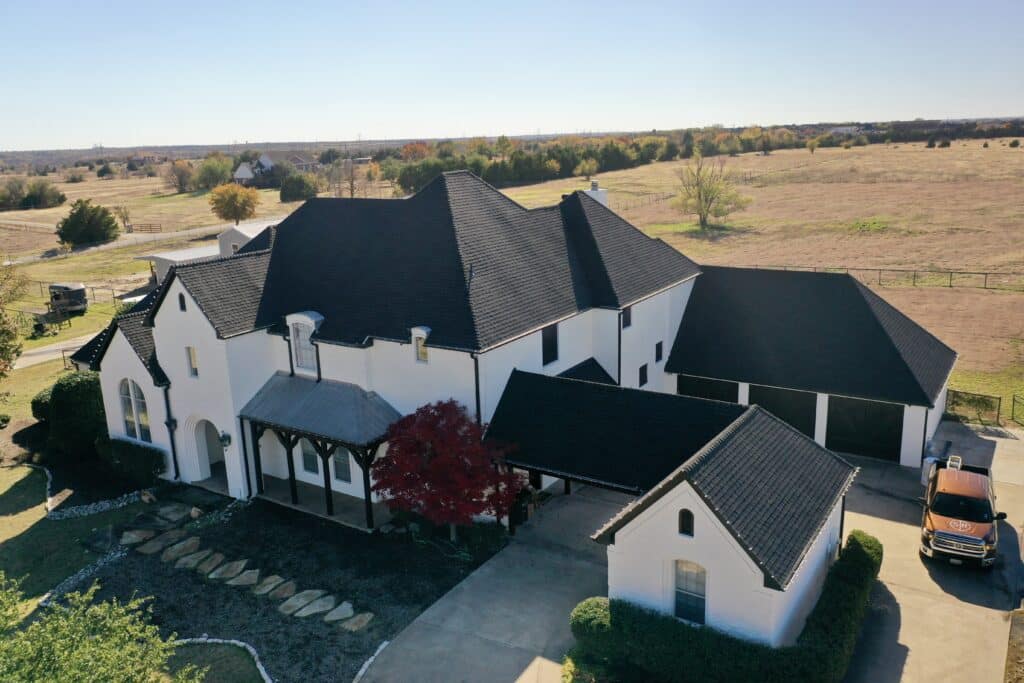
325	450
257	431
289	440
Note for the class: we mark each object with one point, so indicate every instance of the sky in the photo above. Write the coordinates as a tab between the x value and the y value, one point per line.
132	74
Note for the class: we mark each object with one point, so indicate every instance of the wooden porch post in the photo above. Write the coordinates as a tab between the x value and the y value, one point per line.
364	458
288	441
257	431
325	452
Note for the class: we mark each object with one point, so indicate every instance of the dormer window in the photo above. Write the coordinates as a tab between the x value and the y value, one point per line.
301	328
419	343
305	354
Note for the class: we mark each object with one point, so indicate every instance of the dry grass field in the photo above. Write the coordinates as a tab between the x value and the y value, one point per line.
896	206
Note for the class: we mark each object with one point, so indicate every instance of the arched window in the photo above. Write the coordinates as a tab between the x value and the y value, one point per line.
133	410
691	591
686	523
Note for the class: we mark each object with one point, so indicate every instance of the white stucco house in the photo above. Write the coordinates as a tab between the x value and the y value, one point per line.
228	243
275	371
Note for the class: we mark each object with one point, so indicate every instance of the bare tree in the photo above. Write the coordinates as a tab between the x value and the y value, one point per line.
345	179
123	215
706	191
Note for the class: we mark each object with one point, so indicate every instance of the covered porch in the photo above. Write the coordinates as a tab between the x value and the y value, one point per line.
329	419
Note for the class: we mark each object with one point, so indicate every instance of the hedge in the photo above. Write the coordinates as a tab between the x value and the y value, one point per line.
622	636
41	405
77	417
136	462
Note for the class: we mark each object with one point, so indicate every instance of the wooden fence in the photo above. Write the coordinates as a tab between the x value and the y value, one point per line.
971	407
906	277
1017	409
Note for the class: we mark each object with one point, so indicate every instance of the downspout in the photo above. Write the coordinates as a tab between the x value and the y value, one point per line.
291	364
171	425
316	346
476	386
618	369
842	522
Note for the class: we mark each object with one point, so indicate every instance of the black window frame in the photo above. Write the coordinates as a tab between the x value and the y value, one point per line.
686	522
642	375
549	344
627	316
181	300
659	352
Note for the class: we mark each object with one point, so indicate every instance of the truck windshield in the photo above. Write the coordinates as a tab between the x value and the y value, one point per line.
962	507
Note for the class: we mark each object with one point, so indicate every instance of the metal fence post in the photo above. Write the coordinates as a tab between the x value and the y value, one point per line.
950	278
915	278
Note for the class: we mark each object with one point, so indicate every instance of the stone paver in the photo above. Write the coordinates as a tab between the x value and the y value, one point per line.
342	611
133	536
192	561
268	584
157	544
228	570
285	590
180	549
173	512
318	606
210	563
298	601
358	622
247	578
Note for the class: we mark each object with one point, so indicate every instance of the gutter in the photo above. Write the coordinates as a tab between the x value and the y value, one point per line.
171	425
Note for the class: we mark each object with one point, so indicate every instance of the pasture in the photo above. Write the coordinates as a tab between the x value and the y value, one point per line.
895	206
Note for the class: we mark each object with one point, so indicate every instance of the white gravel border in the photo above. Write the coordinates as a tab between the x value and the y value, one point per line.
82	574
83	510
368	662
237	643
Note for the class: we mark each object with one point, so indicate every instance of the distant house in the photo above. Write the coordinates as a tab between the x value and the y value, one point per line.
243	174
302	164
264	164
845	130
228	243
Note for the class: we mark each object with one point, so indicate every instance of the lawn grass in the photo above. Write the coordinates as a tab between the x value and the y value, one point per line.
224	663
95	319
39	551
1004	383
17	390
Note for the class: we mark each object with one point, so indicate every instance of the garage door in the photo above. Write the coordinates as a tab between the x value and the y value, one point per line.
864	427
717	389
795	407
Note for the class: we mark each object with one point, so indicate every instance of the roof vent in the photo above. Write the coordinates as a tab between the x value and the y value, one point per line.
955	462
594	185
597	193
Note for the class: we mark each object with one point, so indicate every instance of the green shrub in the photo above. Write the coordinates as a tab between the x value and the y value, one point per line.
617	635
5	420
87	223
1014	143
298	187
41	405
77	418
138	463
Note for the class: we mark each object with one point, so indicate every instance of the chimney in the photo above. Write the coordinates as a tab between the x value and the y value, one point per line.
597	193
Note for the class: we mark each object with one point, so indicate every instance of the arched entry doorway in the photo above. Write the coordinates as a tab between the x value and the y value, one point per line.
211	453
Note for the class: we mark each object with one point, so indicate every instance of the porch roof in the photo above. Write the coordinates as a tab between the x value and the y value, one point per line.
336	411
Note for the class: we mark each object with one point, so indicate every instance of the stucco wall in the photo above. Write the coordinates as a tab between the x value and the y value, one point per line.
121	362
655	319
935	414
912	443
641	569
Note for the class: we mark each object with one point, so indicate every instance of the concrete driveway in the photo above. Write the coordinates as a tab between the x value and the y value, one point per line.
509	620
931	621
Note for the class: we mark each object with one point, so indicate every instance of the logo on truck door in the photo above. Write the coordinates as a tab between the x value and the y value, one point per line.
960	525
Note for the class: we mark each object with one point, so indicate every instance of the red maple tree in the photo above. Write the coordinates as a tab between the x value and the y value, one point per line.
437	465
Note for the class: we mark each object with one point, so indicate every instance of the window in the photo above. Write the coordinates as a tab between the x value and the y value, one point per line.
310	458
643	374
305	354
342	466
658	352
133	410
549	343
691	581
181	301
685	523
627	317
421	349
234	248
193	362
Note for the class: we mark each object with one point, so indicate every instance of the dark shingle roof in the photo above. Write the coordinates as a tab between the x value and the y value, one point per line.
458	257
584	429
822	332
771	487
588	371
139	336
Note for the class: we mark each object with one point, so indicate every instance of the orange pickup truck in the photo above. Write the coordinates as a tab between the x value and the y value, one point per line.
959	522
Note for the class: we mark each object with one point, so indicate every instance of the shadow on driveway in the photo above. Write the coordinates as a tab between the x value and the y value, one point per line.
879	656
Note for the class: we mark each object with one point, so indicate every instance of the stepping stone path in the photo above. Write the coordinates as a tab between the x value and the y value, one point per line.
298	601
246	578
157	544
342	611
149	520
192	561
318	606
285	590
210	563
228	570
268	584
175	552
358	622
133	536
174	512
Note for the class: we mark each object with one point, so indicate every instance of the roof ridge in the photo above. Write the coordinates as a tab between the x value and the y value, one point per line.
832	453
220	259
861	288
466	279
